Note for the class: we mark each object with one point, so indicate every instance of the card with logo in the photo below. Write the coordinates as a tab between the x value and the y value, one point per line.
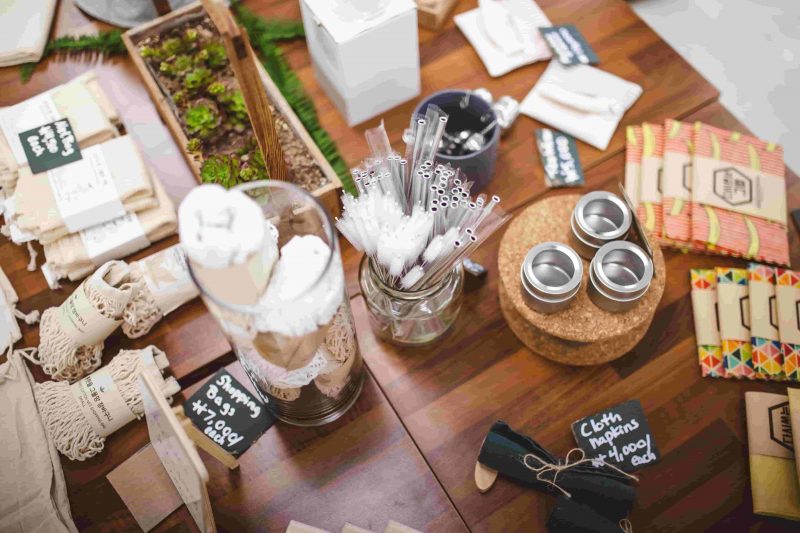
50	146
569	45
559	155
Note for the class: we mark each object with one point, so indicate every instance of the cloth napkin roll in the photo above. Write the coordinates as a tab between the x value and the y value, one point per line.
81	100
24	27
131	185
71	256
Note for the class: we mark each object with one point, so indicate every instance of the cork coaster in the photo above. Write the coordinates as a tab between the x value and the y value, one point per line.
583	323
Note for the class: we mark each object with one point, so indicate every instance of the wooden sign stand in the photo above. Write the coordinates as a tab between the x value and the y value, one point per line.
202	441
245	68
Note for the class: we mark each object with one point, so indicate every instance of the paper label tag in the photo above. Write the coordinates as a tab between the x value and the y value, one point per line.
651	180
632	182
114	239
9	329
101	403
569	45
706	322
33	112
50	146
559	155
167	277
788	304
734	312
740	189
763	310
769	426
17	235
84	191
82	323
676	177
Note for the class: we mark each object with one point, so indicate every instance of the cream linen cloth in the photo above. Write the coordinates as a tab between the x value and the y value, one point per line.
69	257
24	27
36	208
33	494
9	329
81	100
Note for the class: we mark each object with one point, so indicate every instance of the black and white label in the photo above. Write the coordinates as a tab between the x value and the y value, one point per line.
569	45
50	146
619	435
559	155
228	414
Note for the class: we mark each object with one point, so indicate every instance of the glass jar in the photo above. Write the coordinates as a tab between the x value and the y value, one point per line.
300	350
411	318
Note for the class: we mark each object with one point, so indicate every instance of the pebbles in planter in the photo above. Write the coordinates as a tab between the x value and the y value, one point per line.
77	255
110	181
81	100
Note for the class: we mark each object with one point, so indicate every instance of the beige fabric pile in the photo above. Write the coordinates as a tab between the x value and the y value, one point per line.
24	27
82	100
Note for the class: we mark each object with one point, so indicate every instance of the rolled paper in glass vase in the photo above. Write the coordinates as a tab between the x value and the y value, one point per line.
266	259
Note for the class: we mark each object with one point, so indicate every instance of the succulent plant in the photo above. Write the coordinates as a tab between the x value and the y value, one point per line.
197	78
151	52
172	46
194	145
201	120
190	35
222	169
214	55
216	88
182	63
235	107
179	96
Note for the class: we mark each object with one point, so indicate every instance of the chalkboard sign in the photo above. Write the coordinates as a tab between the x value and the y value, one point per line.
559	155
568	45
228	414
50	146
619	435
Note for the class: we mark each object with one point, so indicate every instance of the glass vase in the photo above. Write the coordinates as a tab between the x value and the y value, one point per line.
301	354
411	318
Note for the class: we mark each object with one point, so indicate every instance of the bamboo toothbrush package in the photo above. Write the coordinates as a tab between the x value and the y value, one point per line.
71	336
266	260
79	417
415	221
81	101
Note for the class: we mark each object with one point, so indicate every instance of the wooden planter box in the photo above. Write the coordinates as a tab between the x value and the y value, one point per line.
328	194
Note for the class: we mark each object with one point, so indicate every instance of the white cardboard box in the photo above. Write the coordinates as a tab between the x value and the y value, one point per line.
366	63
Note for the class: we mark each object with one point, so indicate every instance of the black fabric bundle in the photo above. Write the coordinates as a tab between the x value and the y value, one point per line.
599	496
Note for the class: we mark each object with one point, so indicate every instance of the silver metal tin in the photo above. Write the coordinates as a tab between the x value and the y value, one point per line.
551	275
619	276
598	218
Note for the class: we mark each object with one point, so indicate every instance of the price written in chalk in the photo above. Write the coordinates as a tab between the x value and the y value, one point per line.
228	414
619	435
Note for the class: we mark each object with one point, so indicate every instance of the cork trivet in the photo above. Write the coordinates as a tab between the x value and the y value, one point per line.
583	323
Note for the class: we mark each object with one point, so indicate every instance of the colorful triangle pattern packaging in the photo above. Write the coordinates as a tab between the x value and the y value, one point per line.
764	337
787	293
705	189
734	322
706	323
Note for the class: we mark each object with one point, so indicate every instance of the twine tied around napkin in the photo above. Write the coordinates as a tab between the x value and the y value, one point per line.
79	417
545	467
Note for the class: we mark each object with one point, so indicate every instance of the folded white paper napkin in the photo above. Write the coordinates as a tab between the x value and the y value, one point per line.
581	100
505	33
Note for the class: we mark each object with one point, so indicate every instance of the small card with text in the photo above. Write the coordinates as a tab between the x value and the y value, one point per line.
559	155
50	146
568	45
619	435
227	413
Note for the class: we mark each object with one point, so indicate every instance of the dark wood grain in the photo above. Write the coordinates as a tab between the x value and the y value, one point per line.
367	467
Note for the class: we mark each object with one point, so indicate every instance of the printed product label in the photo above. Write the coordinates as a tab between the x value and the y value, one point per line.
24	116
84	191
651	180
82	323
763	312
704	307
677	176
740	189
734	312
114	239
788	303
100	402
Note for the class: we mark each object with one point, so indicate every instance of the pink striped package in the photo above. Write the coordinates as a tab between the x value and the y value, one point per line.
739	196
649	208
677	183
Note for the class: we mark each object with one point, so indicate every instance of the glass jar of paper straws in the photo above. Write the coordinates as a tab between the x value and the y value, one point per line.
415	221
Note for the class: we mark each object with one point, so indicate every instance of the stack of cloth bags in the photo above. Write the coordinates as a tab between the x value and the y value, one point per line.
104	206
24	27
746	322
705	189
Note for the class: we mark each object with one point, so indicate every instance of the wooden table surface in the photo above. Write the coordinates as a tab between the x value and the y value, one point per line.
406	450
